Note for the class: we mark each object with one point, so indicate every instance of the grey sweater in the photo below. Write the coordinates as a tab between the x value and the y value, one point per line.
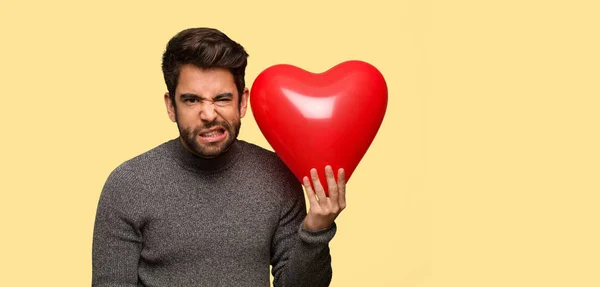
169	218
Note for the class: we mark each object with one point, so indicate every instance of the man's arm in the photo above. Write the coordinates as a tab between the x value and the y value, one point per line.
117	238
301	255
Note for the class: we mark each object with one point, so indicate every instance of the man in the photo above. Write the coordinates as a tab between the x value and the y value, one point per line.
208	209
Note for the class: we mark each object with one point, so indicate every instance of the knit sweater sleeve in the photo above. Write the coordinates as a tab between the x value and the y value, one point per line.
117	239
300	257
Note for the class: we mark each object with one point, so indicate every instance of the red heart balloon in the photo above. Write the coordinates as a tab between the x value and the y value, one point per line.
316	119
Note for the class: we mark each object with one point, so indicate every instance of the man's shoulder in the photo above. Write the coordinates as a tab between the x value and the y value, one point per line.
128	183
261	155
144	162
268	164
256	149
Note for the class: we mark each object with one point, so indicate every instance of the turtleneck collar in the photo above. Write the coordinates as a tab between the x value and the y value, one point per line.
198	164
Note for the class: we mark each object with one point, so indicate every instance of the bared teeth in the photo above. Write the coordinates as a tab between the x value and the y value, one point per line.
213	133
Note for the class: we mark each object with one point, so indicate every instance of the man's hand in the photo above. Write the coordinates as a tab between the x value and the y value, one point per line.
323	209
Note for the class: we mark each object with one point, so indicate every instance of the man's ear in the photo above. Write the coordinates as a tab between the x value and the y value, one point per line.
170	107
244	102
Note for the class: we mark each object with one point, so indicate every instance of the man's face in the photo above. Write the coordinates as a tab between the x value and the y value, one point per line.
207	114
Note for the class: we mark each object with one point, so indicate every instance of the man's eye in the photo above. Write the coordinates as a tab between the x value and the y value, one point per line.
190	100
223	102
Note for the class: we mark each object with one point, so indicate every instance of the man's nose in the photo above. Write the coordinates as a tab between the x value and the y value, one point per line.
207	111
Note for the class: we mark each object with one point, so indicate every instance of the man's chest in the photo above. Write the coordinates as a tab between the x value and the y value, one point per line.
205	226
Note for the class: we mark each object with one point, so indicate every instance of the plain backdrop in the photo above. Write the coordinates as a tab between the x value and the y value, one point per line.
484	173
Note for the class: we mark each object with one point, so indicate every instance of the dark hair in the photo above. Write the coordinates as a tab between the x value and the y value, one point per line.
204	48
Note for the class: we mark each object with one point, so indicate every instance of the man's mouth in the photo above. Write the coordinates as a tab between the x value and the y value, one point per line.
211	133
214	134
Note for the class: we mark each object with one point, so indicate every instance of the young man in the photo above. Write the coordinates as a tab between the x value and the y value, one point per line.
208	209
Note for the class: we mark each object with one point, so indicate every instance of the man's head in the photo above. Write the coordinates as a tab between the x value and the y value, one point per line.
204	72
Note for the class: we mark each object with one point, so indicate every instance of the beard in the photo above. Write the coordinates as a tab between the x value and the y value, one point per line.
210	150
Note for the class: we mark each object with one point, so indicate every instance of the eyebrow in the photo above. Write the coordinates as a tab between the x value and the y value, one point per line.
222	95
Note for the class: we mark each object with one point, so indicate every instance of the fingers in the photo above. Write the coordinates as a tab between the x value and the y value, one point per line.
331	184
324	210
342	188
317	184
310	193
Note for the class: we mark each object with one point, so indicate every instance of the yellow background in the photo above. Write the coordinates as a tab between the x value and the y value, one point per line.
485	171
